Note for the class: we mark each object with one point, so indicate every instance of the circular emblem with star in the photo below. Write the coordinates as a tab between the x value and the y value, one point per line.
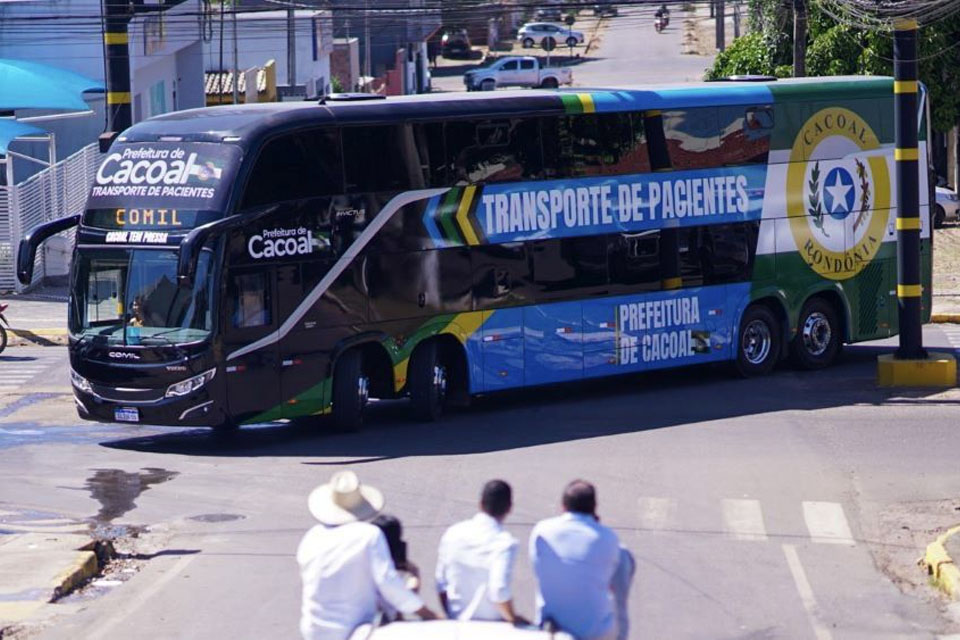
838	193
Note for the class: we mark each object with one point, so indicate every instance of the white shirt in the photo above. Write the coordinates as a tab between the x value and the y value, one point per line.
574	558
474	567
343	569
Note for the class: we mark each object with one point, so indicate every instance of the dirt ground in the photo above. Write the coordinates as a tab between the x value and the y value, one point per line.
946	269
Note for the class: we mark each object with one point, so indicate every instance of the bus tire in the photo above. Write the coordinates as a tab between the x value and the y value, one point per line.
351	390
818	338
758	343
428	383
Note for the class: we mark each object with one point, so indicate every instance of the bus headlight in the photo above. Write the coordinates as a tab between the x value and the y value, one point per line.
80	382
190	384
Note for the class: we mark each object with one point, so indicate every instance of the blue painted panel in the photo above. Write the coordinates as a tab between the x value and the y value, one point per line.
553	343
680	97
502	340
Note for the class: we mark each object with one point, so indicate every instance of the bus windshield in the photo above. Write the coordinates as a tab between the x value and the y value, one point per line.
131	296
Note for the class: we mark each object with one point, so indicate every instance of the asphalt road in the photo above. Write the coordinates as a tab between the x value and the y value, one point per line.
766	508
628	52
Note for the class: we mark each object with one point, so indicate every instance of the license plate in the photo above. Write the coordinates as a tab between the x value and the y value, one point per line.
126	414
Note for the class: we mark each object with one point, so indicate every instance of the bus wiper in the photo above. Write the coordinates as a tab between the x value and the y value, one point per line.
180	351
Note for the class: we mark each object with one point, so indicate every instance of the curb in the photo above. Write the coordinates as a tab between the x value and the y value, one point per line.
37	337
953	318
940	566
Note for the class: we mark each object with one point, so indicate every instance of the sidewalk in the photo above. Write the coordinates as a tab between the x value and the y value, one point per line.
37	319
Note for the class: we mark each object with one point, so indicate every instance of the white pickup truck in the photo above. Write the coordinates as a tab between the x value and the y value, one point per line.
522	71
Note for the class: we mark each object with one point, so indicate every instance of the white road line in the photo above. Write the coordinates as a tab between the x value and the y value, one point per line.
657	514
827	523
743	519
806	593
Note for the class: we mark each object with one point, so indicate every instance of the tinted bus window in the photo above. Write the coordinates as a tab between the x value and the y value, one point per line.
745	134
252	304
501	275
431	153
568	267
405	285
493	150
572	146
732	249
294	166
381	158
634	260
692	137
694	254
625	143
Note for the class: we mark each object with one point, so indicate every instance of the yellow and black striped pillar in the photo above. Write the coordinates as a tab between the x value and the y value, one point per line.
670	277
116	38
907	158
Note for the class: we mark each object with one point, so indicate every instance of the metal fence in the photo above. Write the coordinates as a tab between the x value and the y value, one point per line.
54	192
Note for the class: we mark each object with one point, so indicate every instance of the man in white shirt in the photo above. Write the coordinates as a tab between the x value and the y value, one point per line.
575	559
345	563
475	561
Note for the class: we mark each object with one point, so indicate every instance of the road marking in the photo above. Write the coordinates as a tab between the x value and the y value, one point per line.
657	514
806	593
743	520
827	523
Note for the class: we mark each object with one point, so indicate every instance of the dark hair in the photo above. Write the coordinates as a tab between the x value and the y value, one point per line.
496	499
393	532
580	497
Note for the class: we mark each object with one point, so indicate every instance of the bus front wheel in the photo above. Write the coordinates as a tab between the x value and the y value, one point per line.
818	335
758	347
428	383
351	389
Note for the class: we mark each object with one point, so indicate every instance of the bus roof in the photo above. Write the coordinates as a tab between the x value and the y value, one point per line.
245	124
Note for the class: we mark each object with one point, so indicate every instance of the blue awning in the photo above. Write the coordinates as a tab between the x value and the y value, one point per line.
30	85
10	129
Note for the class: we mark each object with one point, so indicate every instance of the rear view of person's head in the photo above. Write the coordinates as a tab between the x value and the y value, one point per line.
580	497
496	499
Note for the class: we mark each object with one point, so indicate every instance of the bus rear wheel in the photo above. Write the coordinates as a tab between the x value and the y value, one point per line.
818	336
758	346
351	389
428	383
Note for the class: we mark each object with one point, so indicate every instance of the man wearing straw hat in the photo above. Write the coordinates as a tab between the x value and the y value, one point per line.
345	563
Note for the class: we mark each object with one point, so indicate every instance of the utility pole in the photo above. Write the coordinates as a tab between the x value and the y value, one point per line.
721	26
236	66
736	19
291	47
799	38
116	38
906	156
367	67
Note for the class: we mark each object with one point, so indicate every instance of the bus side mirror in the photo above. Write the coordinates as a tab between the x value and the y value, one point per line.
27	252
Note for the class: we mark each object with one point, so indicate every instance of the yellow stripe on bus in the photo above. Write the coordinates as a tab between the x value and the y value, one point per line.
465	225
587	101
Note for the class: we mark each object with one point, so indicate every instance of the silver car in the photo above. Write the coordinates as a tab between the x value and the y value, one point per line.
947	207
534	34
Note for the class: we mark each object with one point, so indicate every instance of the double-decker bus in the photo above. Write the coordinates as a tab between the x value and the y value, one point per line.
246	264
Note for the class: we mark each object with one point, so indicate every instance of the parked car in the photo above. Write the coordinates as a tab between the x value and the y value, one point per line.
536	33
516	72
550	14
605	10
947	207
455	44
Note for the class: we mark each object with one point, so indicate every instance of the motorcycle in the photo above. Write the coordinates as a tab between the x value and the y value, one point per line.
3	331
660	23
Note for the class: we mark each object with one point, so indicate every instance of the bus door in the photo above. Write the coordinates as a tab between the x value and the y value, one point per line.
253	383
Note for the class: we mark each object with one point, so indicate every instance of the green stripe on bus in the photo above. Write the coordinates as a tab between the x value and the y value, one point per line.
571	103
447	210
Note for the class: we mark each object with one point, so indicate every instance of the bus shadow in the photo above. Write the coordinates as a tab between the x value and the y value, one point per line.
567	412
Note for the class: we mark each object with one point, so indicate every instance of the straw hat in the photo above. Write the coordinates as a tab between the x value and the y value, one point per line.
344	500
